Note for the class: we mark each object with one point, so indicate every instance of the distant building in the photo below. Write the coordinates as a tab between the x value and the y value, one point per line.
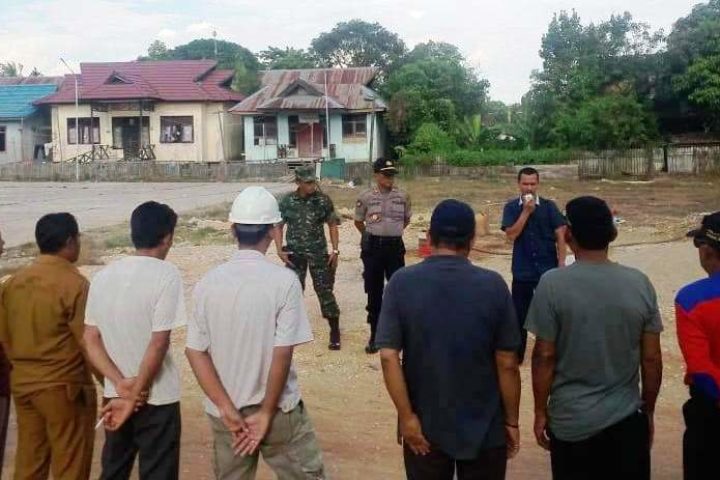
24	127
286	118
147	110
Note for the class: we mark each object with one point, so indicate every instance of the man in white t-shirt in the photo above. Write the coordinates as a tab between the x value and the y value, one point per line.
249	315
133	305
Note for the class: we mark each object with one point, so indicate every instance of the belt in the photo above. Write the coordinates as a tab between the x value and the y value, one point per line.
378	240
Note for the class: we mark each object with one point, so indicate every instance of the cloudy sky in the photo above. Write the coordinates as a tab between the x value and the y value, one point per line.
501	39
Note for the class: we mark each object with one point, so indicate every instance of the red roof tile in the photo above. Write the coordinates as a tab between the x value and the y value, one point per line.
169	81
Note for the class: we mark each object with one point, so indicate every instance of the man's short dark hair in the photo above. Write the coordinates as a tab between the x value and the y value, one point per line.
250	234
591	222
150	223
528	171
53	231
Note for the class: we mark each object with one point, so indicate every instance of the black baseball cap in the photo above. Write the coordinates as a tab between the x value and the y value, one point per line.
452	219
386	167
709	231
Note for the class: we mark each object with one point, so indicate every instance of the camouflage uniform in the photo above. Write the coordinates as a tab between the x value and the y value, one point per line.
305	219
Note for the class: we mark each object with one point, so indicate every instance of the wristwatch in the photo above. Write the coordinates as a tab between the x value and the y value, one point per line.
336	252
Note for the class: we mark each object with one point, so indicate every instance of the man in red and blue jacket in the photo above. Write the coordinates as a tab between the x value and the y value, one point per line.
697	308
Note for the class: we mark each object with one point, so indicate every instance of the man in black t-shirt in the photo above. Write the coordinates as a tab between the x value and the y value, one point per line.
457	390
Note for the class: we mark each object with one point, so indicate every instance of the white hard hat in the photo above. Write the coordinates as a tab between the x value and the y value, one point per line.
255	206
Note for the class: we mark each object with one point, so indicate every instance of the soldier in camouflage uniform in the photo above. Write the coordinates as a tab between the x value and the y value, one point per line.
305	212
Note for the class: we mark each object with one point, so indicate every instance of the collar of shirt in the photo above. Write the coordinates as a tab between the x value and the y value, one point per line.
447	258
55	261
247	254
537	200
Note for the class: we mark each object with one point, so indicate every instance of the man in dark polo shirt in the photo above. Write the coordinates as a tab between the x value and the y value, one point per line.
537	229
457	390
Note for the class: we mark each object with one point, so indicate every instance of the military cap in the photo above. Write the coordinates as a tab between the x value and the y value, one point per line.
386	167
305	174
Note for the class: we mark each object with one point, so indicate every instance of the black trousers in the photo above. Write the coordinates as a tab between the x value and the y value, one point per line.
620	452
701	439
522	295
381	257
153	432
490	464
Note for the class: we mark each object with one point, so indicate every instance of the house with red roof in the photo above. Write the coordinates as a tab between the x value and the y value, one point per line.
286	117
172	110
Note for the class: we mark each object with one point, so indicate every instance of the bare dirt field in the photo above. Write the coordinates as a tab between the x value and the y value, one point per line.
344	391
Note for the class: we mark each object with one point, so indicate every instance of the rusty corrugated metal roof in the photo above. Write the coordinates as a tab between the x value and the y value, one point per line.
305	90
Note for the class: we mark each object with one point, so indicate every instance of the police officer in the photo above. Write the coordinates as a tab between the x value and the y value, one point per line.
305	212
381	215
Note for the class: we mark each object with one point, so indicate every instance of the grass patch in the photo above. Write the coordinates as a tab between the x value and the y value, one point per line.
201	235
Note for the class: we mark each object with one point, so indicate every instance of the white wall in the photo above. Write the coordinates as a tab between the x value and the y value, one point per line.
207	143
13	142
20	139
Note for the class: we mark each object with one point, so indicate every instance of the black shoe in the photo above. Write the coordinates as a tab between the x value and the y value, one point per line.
370	348
334	340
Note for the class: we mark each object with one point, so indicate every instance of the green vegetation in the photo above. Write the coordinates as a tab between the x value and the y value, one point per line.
606	85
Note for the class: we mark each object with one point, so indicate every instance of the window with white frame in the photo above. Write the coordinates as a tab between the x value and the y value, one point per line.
354	126
265	130
176	129
87	126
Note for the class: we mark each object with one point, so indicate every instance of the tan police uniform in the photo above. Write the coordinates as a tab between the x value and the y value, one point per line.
385	215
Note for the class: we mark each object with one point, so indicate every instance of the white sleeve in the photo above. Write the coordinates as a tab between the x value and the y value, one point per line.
198	337
170	309
91	306
292	326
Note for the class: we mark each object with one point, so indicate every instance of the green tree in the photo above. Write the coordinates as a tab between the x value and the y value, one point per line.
695	36
229	55
583	63
431	138
434	50
690	85
359	44
438	87
158	51
10	69
604	122
286	58
701	83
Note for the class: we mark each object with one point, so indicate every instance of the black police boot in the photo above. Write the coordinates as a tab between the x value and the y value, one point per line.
370	348
334	334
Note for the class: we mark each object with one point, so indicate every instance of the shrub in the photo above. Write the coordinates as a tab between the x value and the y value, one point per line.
430	138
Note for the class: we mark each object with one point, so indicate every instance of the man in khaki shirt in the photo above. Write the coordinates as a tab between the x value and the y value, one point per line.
42	310
4	383
381	215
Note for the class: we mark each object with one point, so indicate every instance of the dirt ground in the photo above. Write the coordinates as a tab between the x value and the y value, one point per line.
344	392
99	204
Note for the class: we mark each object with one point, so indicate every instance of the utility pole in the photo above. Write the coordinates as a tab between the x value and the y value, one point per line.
77	124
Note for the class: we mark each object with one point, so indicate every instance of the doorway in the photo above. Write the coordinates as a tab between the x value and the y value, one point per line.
126	135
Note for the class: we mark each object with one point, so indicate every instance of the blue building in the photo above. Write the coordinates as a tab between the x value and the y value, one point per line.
24	127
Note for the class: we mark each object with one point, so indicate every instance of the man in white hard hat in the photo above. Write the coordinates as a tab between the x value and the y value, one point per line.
249	315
